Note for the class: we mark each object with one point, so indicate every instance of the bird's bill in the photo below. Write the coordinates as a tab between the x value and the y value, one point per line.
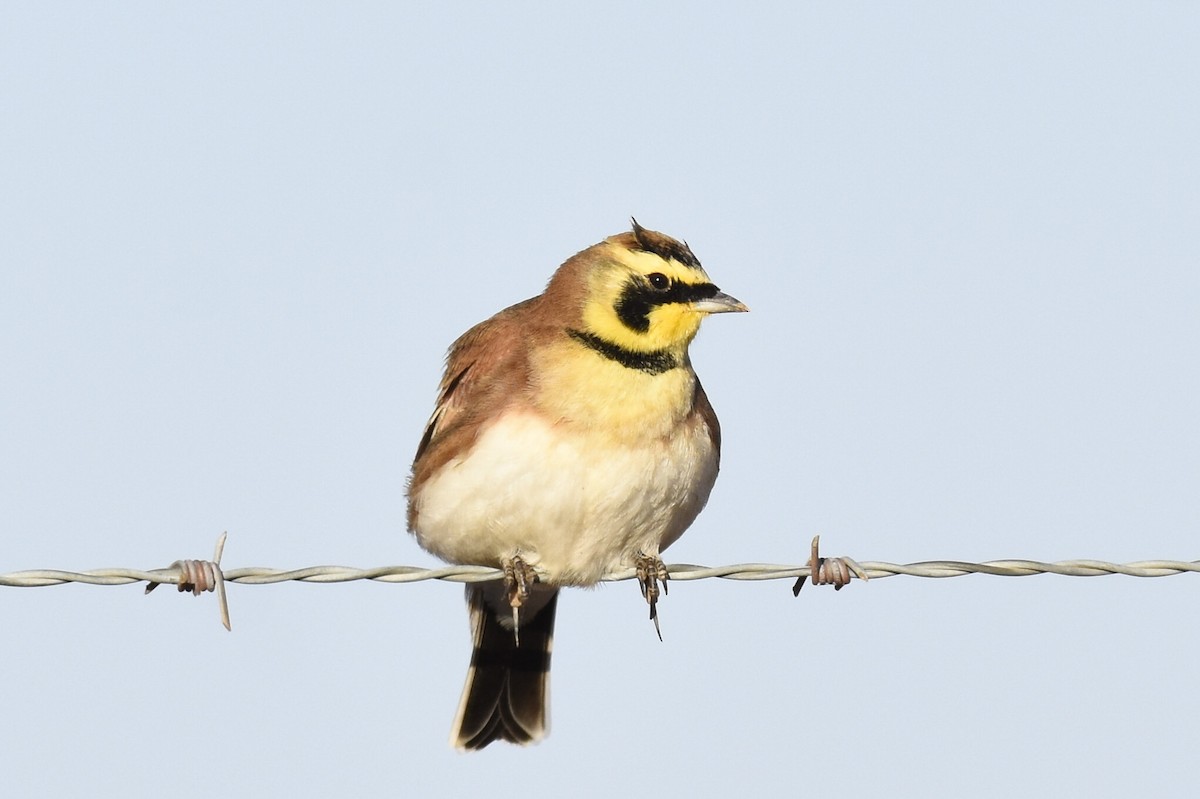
719	303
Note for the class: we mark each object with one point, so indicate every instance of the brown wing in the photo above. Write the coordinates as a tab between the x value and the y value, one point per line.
704	409
487	368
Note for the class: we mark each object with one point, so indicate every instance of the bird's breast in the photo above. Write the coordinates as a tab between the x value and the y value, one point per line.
581	389
577	501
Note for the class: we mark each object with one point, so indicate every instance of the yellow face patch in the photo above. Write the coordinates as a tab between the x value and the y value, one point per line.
622	309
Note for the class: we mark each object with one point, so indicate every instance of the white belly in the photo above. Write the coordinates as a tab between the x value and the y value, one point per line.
570	502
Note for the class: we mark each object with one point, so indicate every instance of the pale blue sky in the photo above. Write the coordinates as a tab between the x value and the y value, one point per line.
236	241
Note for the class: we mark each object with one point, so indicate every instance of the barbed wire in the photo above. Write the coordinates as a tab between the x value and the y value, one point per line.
254	575
201	576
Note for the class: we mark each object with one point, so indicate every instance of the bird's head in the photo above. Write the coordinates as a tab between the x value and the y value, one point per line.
646	292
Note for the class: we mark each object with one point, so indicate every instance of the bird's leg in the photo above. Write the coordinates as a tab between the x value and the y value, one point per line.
651	573
518	578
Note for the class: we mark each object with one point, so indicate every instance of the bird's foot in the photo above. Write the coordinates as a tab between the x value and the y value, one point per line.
651	574
519	578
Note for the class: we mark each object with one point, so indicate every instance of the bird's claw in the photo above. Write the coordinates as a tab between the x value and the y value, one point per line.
651	575
519	578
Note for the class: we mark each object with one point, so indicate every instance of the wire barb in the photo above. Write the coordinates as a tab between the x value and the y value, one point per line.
199	576
828	571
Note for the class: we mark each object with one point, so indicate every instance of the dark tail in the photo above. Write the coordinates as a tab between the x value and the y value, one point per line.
506	697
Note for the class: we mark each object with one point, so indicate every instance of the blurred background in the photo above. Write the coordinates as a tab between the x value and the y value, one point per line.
235	242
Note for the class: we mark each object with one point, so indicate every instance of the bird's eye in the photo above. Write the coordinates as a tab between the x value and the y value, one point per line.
659	281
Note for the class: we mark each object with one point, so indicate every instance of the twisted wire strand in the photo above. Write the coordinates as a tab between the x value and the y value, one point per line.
679	572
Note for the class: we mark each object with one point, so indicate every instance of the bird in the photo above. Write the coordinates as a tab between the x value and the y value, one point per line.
570	439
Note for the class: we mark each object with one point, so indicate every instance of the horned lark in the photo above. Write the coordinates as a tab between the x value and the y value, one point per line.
571	439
